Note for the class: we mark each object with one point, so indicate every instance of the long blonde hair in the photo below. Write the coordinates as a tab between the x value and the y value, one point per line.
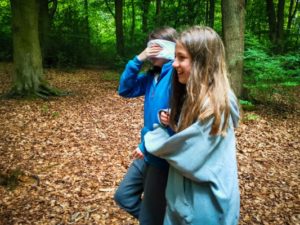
206	93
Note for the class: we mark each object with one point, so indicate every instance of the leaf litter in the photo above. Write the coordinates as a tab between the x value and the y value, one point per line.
72	152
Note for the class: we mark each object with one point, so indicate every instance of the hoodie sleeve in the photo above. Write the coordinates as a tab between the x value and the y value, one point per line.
187	151
132	84
234	109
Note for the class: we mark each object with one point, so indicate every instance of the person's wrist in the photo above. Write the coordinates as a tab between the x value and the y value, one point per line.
142	56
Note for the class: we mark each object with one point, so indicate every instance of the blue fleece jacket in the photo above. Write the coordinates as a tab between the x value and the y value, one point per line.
157	93
202	186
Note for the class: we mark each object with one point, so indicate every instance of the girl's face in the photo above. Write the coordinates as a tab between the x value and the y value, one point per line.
152	52
158	61
182	63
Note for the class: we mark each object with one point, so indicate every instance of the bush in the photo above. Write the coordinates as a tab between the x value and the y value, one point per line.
269	78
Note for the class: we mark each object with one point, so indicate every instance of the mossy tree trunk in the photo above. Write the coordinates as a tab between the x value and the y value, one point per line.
28	79
233	24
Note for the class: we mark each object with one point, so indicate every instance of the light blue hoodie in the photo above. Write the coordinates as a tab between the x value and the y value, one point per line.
202	185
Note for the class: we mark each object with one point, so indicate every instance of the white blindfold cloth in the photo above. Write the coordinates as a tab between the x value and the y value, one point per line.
168	48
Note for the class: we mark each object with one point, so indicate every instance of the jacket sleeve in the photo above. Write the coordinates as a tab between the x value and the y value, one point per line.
132	84
187	151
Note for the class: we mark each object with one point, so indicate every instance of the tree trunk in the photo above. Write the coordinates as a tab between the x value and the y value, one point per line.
28	71
119	27
132	21
86	20
28	77
292	13
192	9
272	20
207	12
280	26
276	24
109	8
291	16
233	25
177	18
52	9
212	13
145	10
158	12
44	27
87	41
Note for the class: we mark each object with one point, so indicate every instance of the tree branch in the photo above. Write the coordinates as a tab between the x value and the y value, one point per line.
109	9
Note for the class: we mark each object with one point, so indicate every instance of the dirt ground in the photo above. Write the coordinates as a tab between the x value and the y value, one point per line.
69	154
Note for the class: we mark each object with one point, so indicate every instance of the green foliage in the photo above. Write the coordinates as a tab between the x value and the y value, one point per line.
69	41
110	76
247	105
11	179
80	36
46	111
55	114
251	117
5	31
269	78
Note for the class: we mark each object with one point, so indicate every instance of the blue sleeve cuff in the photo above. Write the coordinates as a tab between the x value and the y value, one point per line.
136	60
142	148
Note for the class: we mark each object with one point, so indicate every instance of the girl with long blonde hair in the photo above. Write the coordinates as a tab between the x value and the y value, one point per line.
202	185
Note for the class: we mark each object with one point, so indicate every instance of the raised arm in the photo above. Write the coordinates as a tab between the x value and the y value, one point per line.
132	83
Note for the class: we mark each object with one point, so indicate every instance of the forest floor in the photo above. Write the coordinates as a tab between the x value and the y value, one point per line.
65	157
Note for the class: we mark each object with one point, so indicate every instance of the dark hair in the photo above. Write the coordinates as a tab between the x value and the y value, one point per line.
177	100
165	33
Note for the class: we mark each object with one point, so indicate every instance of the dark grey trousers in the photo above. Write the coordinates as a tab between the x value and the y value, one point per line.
141	177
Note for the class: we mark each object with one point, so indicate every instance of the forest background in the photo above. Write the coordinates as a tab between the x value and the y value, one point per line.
62	158
261	37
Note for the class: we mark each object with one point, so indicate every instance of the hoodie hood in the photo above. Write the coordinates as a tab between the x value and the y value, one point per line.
234	109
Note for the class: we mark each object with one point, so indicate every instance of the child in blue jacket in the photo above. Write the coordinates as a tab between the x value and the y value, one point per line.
148	173
202	187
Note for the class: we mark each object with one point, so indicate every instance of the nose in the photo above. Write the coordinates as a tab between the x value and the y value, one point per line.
175	64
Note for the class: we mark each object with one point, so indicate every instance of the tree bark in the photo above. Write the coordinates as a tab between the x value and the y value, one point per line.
28	71
233	25
44	27
280	26
192	12
276	24
109	8
212	13
207	12
52	9
87	41
272	20
119	27
145	10
290	18
132	21
158	12
86	20
292	15
177	18
28	79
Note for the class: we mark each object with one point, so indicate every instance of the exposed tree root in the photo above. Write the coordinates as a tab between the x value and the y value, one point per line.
44	91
